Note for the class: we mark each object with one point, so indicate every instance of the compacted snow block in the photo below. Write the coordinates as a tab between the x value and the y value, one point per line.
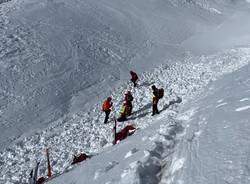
126	131
79	158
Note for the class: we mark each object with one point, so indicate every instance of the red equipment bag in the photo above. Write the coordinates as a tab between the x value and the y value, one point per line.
79	158
126	131
161	93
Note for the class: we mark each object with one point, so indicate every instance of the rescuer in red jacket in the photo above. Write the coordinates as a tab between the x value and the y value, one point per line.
106	107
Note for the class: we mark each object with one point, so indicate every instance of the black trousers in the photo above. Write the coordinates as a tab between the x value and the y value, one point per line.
134	82
155	109
130	108
107	112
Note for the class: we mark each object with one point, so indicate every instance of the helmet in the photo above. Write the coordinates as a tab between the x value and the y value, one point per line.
128	93
153	87
109	98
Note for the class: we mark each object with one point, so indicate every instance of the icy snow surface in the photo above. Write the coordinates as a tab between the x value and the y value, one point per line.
197	143
220	152
60	56
59	59
86	132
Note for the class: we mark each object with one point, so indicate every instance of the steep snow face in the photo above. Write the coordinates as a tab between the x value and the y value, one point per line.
231	33
53	49
138	159
61	56
58	57
205	141
85	131
216	144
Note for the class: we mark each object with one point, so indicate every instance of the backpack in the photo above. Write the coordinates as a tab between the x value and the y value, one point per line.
160	92
130	98
105	105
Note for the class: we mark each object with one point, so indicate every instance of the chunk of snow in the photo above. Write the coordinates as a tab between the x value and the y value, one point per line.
215	10
244	99
242	108
219	101
177	164
220	105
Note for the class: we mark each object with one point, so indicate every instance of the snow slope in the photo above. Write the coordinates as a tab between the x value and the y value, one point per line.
204	140
138	159
231	33
216	145
84	131
61	56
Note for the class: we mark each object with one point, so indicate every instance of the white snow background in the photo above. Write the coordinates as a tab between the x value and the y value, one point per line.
59	59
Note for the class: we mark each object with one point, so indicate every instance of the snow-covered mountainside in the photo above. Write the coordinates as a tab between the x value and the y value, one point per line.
59	59
86	132
202	140
216	144
61	56
206	141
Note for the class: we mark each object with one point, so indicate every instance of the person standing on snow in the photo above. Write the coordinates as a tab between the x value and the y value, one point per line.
106	107
128	99
123	112
155	100
134	78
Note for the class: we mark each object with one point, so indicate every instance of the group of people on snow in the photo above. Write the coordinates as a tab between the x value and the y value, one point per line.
127	106
125	111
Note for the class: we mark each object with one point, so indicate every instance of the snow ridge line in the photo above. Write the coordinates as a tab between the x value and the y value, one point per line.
86	131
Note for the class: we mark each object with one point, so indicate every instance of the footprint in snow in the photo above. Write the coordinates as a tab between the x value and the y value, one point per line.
131	152
130	169
111	165
102	171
